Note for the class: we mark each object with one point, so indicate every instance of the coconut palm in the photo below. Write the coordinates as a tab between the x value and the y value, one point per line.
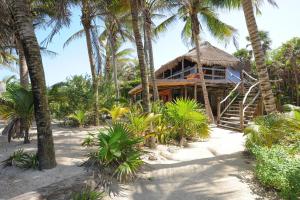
16	105
89	12
134	6
263	76
151	10
24	26
197	14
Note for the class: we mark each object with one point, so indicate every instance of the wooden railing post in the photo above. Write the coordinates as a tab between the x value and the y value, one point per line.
241	116
218	109
243	83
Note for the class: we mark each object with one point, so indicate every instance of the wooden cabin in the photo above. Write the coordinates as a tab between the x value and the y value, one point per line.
180	78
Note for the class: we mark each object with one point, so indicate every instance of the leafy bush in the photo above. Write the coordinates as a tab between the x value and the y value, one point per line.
276	128
88	194
277	169
117	112
118	153
186	120
80	117
22	160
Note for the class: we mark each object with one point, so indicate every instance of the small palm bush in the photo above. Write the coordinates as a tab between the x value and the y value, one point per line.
276	128
80	117
88	194
186	120
118	154
16	105
22	160
117	112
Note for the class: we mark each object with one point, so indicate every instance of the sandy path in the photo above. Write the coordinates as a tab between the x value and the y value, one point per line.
211	170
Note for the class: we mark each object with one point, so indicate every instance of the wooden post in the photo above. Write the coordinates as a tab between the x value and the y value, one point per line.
185	92
182	68
195	91
241	116
218	109
242	85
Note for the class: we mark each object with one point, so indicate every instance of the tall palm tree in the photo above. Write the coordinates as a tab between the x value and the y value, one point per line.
24	26
263	76
151	9
190	11
89	12
134	7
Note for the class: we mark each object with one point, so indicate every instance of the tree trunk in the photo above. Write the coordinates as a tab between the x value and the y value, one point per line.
86	21
263	76
196	32
23	22
141	55
23	69
151	59
113	57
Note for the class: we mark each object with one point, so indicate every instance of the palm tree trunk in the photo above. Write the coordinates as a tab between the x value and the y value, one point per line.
23	22
141	55
263	76
113	57
87	29
23	69
151	59
196	32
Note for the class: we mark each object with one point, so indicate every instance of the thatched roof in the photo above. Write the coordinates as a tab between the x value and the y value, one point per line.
210	55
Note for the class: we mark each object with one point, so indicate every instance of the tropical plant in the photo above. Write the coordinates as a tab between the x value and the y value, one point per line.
80	116
88	194
117	112
16	105
22	160
118	154
277	169
141	124
186	120
274	129
89	141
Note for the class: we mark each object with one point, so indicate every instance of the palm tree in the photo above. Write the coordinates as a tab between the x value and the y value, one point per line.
263	76
88	15
150	9
23	22
265	40
141	55
16	105
188	11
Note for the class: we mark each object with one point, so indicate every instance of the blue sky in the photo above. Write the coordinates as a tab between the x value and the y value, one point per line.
282	24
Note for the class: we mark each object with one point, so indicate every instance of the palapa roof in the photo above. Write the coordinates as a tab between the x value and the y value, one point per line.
210	55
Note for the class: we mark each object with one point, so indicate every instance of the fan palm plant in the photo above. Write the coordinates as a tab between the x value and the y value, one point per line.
186	120
16	105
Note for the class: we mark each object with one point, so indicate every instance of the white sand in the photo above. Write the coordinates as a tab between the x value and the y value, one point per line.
69	154
205	170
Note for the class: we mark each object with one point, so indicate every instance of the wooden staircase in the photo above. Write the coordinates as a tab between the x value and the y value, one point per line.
241	105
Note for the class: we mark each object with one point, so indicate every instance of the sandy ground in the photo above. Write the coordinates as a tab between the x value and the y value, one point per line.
69	154
211	170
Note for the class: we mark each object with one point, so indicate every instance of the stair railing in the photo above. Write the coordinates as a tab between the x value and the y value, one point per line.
244	107
219	113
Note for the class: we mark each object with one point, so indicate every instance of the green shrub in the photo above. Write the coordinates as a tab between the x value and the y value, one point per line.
88	194
79	116
186	120
118	154
22	160
275	168
276	128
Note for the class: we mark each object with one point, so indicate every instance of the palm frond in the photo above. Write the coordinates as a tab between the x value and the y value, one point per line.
75	36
